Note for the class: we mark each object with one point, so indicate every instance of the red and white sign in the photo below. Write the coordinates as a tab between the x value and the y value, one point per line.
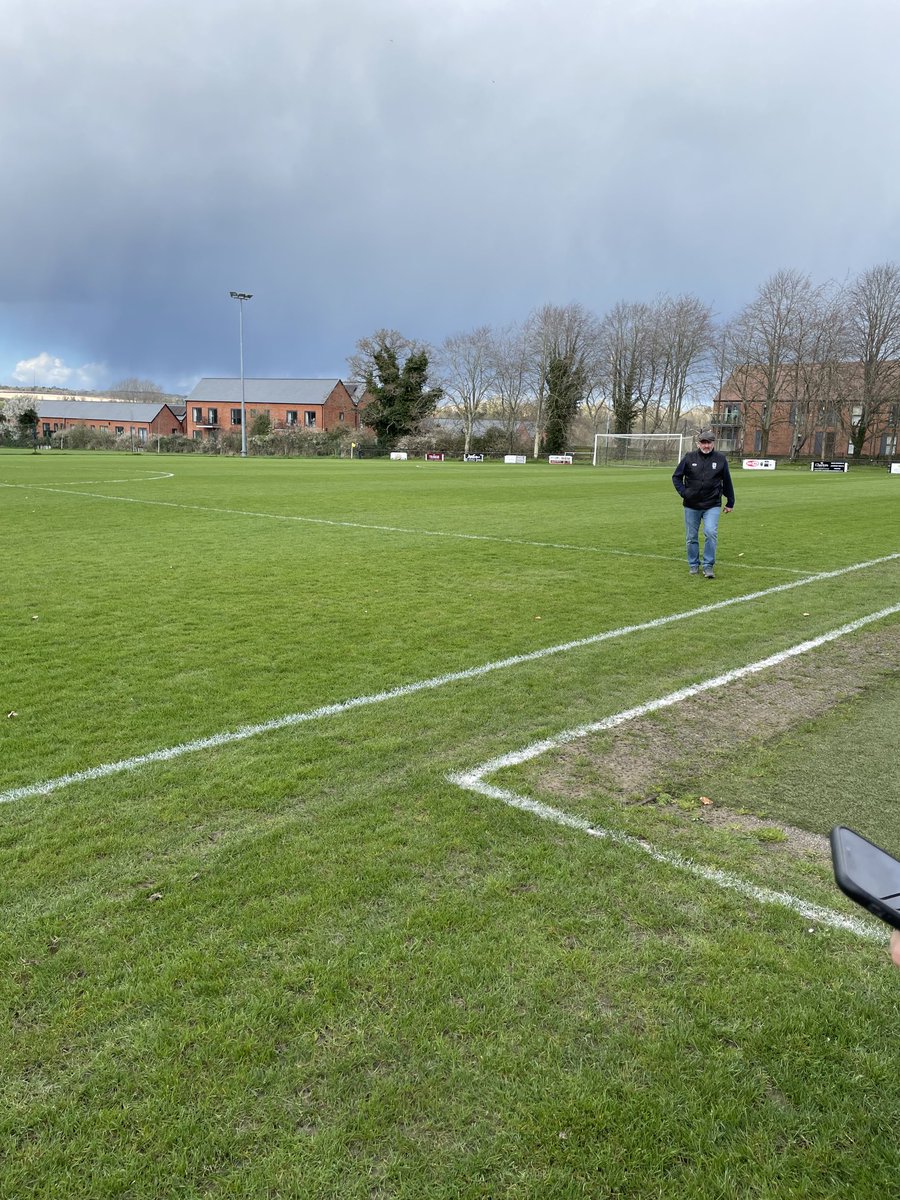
434	458
759	464
560	460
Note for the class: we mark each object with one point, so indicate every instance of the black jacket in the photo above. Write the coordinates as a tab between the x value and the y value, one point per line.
702	479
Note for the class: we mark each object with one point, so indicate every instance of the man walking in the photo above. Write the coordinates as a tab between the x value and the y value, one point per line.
701	479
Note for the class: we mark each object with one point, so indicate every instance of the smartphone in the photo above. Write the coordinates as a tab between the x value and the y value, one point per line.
867	874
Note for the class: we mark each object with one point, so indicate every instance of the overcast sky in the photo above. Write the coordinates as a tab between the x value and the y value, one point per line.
424	165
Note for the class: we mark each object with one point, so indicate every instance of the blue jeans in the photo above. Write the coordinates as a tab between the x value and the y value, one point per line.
710	518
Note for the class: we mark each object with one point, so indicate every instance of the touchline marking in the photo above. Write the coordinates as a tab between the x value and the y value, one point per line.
329	710
474	781
434	533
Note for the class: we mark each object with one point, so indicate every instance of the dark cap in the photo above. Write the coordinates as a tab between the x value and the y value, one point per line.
706	435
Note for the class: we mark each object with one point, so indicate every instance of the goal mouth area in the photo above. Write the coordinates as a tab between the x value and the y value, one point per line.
637	449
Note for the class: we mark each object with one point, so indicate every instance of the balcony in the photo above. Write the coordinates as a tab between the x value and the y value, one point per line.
726	419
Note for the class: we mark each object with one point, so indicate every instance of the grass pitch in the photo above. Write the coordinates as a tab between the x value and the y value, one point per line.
306	963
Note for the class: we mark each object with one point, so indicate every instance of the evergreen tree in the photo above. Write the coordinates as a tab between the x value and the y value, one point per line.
566	382
400	394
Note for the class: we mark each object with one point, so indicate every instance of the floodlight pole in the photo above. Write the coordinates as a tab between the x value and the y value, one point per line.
241	297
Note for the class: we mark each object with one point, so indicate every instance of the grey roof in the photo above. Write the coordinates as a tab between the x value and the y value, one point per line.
263	391
97	410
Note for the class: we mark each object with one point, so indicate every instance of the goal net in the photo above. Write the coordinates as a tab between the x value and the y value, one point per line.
647	449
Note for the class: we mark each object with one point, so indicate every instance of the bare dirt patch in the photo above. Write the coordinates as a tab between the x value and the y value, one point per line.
634	762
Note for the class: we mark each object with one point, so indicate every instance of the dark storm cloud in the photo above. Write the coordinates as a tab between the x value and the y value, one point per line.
427	165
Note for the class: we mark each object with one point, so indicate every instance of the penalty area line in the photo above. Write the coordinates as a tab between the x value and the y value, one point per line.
474	781
228	737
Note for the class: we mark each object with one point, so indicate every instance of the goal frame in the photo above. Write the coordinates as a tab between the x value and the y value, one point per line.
676	439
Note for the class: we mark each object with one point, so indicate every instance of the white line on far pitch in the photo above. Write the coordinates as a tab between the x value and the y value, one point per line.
474	781
430	533
329	710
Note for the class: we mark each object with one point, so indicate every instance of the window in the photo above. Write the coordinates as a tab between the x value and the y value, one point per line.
341	415
212	416
120	429
291	417
889	444
757	442
309	419
792	419
235	416
197	416
46	429
197	435
142	435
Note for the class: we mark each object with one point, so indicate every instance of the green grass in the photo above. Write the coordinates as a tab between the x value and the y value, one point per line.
307	964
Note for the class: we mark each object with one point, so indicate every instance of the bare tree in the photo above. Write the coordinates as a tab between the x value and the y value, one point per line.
556	333
820	334
138	391
873	344
629	362
466	368
511	380
686	335
763	350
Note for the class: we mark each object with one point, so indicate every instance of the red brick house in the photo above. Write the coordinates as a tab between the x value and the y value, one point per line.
119	417
807	410
214	406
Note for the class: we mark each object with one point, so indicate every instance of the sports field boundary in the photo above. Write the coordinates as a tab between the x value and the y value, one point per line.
244	732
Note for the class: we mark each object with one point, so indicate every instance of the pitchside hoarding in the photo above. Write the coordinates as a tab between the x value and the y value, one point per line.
829	465
759	464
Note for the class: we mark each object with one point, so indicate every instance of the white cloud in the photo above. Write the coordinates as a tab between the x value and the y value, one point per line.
45	370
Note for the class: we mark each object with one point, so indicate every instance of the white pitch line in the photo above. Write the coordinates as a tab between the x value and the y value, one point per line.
722	879
247	731
474	781
431	533
132	479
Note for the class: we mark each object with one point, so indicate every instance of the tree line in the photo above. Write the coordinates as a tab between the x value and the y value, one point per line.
827	353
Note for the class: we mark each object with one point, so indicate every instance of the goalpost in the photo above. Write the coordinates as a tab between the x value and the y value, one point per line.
647	449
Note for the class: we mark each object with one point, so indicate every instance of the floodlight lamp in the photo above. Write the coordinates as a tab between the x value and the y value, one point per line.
241	295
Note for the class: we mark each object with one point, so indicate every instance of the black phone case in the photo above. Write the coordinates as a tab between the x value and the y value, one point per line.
885	913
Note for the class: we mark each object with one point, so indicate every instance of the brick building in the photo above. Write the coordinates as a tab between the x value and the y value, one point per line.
809	411
214	406
120	418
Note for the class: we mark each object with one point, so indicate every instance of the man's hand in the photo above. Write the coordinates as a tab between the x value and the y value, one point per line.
895	947
727	509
